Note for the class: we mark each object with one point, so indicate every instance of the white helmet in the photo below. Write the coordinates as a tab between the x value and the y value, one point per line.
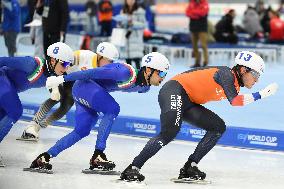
61	51
156	61
250	60
107	50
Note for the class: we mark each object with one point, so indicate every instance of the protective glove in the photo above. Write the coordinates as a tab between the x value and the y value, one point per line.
269	90
54	81
55	94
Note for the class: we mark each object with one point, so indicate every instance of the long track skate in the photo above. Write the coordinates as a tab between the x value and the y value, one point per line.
190	181
38	170
100	171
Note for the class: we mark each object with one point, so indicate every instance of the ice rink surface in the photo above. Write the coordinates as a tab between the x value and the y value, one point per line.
226	167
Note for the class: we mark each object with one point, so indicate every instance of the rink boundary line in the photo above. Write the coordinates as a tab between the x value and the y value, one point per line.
188	143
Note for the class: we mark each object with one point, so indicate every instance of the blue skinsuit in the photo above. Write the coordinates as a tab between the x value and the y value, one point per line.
17	74
91	95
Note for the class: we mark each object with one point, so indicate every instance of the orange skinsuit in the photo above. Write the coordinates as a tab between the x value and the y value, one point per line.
200	85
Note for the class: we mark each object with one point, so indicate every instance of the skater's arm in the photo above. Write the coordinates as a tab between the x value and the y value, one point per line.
225	78
115	71
26	64
244	99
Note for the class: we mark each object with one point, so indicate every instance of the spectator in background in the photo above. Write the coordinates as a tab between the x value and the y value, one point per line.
225	30
55	15
197	11
36	33
276	33
135	25
92	24
11	24
31	9
251	23
263	16
259	7
105	17
281	7
210	32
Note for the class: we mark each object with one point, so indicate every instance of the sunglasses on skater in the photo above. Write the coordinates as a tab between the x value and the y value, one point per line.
255	74
162	74
65	64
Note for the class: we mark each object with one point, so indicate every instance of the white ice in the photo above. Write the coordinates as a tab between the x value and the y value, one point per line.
226	167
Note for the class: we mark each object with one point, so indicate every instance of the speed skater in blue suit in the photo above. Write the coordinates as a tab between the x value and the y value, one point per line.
18	74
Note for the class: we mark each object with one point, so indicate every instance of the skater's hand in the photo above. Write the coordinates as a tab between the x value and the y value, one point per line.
54	81
269	90
55	94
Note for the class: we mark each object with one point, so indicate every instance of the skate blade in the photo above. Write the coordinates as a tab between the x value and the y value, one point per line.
131	183
100	172
191	181
2	165
38	170
27	139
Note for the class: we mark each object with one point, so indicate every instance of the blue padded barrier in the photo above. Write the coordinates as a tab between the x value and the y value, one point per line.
143	127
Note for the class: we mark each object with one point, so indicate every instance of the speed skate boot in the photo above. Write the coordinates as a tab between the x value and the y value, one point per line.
191	171
99	161
31	133
131	173
42	162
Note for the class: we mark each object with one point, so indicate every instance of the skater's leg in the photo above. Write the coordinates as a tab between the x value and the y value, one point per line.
66	102
110	109
31	132
212	123
215	127
43	111
172	100
84	118
10	104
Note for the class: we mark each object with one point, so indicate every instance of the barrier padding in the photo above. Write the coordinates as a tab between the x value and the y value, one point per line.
143	127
